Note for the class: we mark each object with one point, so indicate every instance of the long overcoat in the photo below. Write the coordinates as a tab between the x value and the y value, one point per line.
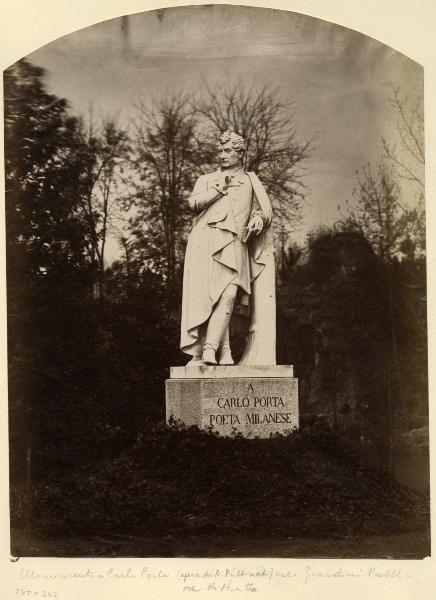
210	265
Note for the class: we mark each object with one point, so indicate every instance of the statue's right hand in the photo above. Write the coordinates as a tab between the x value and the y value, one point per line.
222	183
227	180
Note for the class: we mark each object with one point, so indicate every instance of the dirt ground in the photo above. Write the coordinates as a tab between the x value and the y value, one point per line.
396	546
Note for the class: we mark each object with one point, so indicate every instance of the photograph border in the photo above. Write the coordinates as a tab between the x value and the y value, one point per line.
406	26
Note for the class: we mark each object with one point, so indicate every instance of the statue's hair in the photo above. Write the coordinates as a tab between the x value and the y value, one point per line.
237	141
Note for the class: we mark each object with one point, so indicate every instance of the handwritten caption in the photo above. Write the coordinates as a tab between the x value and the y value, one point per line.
35	582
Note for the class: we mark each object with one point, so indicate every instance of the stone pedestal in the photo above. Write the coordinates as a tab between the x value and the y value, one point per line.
256	401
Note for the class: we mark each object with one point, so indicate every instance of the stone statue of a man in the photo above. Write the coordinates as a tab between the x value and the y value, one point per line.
229	258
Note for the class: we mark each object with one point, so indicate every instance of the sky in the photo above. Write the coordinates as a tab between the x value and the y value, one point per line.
339	79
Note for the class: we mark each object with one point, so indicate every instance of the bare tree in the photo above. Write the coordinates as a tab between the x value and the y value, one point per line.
407	158
383	208
169	154
266	119
407	155
107	148
377	211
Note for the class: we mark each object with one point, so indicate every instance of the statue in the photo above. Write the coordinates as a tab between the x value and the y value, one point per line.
229	263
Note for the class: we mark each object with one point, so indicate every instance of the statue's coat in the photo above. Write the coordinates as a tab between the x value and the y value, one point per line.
210	265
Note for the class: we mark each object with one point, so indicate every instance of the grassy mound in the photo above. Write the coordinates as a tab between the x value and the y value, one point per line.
182	481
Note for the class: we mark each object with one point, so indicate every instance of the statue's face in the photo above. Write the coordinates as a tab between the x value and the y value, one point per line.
229	157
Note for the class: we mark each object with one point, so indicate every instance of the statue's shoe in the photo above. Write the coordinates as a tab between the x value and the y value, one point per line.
209	356
226	357
195	362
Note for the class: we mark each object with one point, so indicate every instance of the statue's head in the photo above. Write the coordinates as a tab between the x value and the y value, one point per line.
231	148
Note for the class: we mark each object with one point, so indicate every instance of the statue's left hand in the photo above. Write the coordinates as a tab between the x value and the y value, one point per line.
255	224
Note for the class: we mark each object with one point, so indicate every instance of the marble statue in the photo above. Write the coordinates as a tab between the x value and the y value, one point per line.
229	263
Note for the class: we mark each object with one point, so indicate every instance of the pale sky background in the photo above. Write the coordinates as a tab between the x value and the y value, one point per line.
340	79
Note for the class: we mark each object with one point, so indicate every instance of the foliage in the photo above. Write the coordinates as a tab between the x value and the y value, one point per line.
183	481
43	167
394	230
71	357
48	275
334	325
331	322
